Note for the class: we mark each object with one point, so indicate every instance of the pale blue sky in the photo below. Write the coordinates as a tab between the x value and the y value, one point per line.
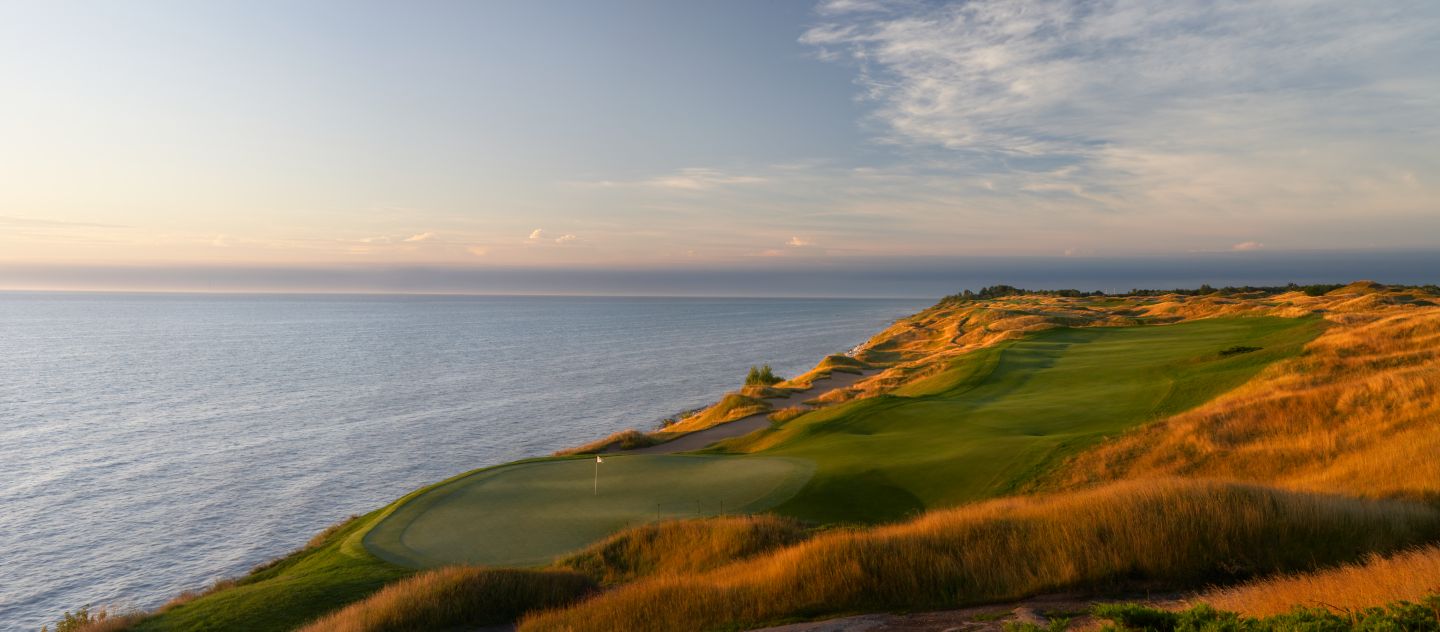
710	135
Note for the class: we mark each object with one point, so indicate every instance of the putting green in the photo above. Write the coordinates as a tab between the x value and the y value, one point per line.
528	513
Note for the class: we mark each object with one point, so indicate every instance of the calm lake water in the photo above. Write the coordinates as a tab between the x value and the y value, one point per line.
154	443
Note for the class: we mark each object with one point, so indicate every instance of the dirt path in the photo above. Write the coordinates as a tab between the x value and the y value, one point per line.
746	425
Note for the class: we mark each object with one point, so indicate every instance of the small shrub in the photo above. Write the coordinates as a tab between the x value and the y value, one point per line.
1237	350
762	376
98	620
1133	616
1055	625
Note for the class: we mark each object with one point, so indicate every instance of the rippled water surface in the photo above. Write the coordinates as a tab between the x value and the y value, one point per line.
153	443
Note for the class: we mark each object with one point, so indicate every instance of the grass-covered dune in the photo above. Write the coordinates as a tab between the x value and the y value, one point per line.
991	447
457	596
682	546
1412	575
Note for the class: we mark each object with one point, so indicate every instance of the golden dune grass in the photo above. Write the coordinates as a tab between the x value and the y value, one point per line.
453	596
1379	580
1358	412
731	407
1170	532
682	546
786	414
623	440
105	621
824	369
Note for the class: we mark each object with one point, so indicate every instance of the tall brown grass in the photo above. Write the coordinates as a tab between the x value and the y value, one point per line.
97	620
682	546
623	440
730	407
1358	412
456	596
117	623
1172	532
786	414
1408	576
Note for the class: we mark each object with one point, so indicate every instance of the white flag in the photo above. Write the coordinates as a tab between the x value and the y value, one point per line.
598	459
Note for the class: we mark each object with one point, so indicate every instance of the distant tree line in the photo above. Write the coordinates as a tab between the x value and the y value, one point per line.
1316	289
1001	291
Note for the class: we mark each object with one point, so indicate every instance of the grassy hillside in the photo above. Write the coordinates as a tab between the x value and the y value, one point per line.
334	571
1175	440
991	419
457	596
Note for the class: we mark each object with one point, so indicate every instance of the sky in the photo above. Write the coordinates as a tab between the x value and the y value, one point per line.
783	146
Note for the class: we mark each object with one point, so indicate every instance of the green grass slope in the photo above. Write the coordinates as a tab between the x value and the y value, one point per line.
289	593
529	513
994	418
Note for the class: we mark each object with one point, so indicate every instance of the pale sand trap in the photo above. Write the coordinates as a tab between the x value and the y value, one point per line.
746	425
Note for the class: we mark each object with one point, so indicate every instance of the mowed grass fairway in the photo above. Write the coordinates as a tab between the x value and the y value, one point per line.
528	513
992	419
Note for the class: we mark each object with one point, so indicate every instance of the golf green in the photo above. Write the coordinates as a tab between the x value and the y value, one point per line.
528	513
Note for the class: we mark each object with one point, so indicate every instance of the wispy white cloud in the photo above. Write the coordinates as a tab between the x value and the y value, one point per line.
539	236
1247	245
419	237
799	242
1037	77
838	7
688	179
1315	109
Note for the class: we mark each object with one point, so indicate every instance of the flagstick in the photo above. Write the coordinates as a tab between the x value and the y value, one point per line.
596	491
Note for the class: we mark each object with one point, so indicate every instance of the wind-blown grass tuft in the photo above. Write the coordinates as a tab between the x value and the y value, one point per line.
1408	576
682	546
623	440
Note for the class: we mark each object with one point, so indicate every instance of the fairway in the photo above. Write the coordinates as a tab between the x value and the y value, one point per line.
529	513
994	418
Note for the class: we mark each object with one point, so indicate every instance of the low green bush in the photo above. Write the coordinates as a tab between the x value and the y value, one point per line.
762	376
